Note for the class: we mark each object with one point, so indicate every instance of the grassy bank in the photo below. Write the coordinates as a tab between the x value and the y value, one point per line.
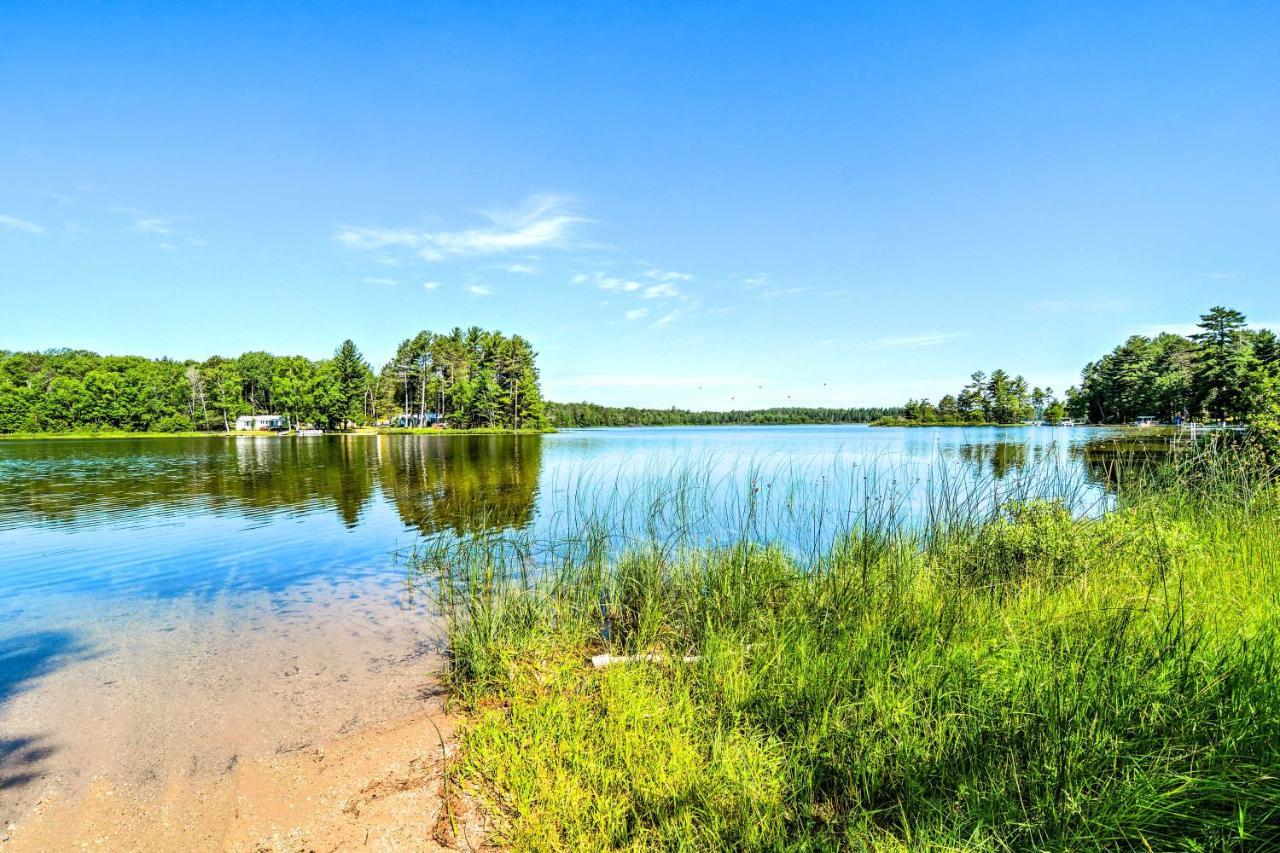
1011	679
475	431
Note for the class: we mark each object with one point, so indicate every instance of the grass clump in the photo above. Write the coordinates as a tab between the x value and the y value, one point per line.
1021	678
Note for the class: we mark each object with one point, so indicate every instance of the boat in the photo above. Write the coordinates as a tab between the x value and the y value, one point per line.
310	432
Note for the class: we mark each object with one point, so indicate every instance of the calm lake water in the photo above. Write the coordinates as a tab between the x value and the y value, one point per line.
173	517
146	577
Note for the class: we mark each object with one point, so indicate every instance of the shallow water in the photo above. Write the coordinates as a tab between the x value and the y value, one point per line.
173	604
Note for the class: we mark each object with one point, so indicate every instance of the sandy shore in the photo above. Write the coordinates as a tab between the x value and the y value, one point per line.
382	788
305	720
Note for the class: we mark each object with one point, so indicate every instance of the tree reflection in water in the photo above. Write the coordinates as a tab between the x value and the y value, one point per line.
461	483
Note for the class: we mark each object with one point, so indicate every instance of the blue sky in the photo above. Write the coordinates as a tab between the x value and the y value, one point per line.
700	204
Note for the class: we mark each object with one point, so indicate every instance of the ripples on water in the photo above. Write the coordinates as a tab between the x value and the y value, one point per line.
206	598
178	516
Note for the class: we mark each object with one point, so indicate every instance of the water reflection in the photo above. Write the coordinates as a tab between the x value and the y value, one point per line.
481	483
175	516
997	459
436	484
1105	460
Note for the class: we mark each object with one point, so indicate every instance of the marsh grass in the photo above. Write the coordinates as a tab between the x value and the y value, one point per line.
991	670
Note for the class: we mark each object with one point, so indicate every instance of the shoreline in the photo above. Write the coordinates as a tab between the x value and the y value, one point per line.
71	436
243	721
389	783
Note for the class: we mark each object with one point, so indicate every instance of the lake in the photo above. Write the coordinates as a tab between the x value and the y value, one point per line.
173	604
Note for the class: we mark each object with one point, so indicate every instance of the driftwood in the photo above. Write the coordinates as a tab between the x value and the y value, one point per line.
601	661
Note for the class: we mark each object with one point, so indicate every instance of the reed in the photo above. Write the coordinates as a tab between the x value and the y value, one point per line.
1005	667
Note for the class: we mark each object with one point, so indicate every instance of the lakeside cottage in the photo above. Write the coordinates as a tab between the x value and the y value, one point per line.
430	419
254	422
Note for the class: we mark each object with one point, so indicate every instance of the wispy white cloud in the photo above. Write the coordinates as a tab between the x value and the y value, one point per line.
667	275
522	269
637	313
539	222
780	292
653	284
764	287
915	341
143	222
152	225
15	224
666	290
388	282
479	290
430	285
670	317
912	341
608	282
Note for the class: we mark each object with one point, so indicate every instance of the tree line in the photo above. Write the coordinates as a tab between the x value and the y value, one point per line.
1225	371
596	415
462	379
995	399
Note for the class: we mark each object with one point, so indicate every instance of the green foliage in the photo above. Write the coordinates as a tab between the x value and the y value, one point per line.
1025	680
1214	374
994	399
595	415
1264	420
471	379
480	379
173	423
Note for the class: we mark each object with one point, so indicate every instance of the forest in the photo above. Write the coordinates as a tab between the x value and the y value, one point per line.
462	379
995	399
596	415
1224	372
484	379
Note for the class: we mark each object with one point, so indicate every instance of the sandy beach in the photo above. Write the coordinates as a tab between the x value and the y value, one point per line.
312	721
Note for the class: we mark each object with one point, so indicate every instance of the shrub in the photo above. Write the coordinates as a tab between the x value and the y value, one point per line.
173	423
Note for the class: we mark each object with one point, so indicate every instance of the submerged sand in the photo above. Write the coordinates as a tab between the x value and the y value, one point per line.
305	720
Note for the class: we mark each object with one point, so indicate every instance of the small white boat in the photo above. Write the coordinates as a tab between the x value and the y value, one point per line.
310	432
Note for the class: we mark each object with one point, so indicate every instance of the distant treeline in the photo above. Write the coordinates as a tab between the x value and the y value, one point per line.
464	379
595	415
1224	372
995	399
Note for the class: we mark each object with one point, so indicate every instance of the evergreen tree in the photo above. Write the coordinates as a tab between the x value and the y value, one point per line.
1222	362
353	377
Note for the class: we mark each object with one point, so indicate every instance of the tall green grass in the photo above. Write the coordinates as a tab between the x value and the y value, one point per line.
977	674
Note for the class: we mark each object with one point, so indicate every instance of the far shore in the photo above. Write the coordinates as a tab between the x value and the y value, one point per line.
113	434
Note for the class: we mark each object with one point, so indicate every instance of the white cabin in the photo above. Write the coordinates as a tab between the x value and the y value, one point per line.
254	422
